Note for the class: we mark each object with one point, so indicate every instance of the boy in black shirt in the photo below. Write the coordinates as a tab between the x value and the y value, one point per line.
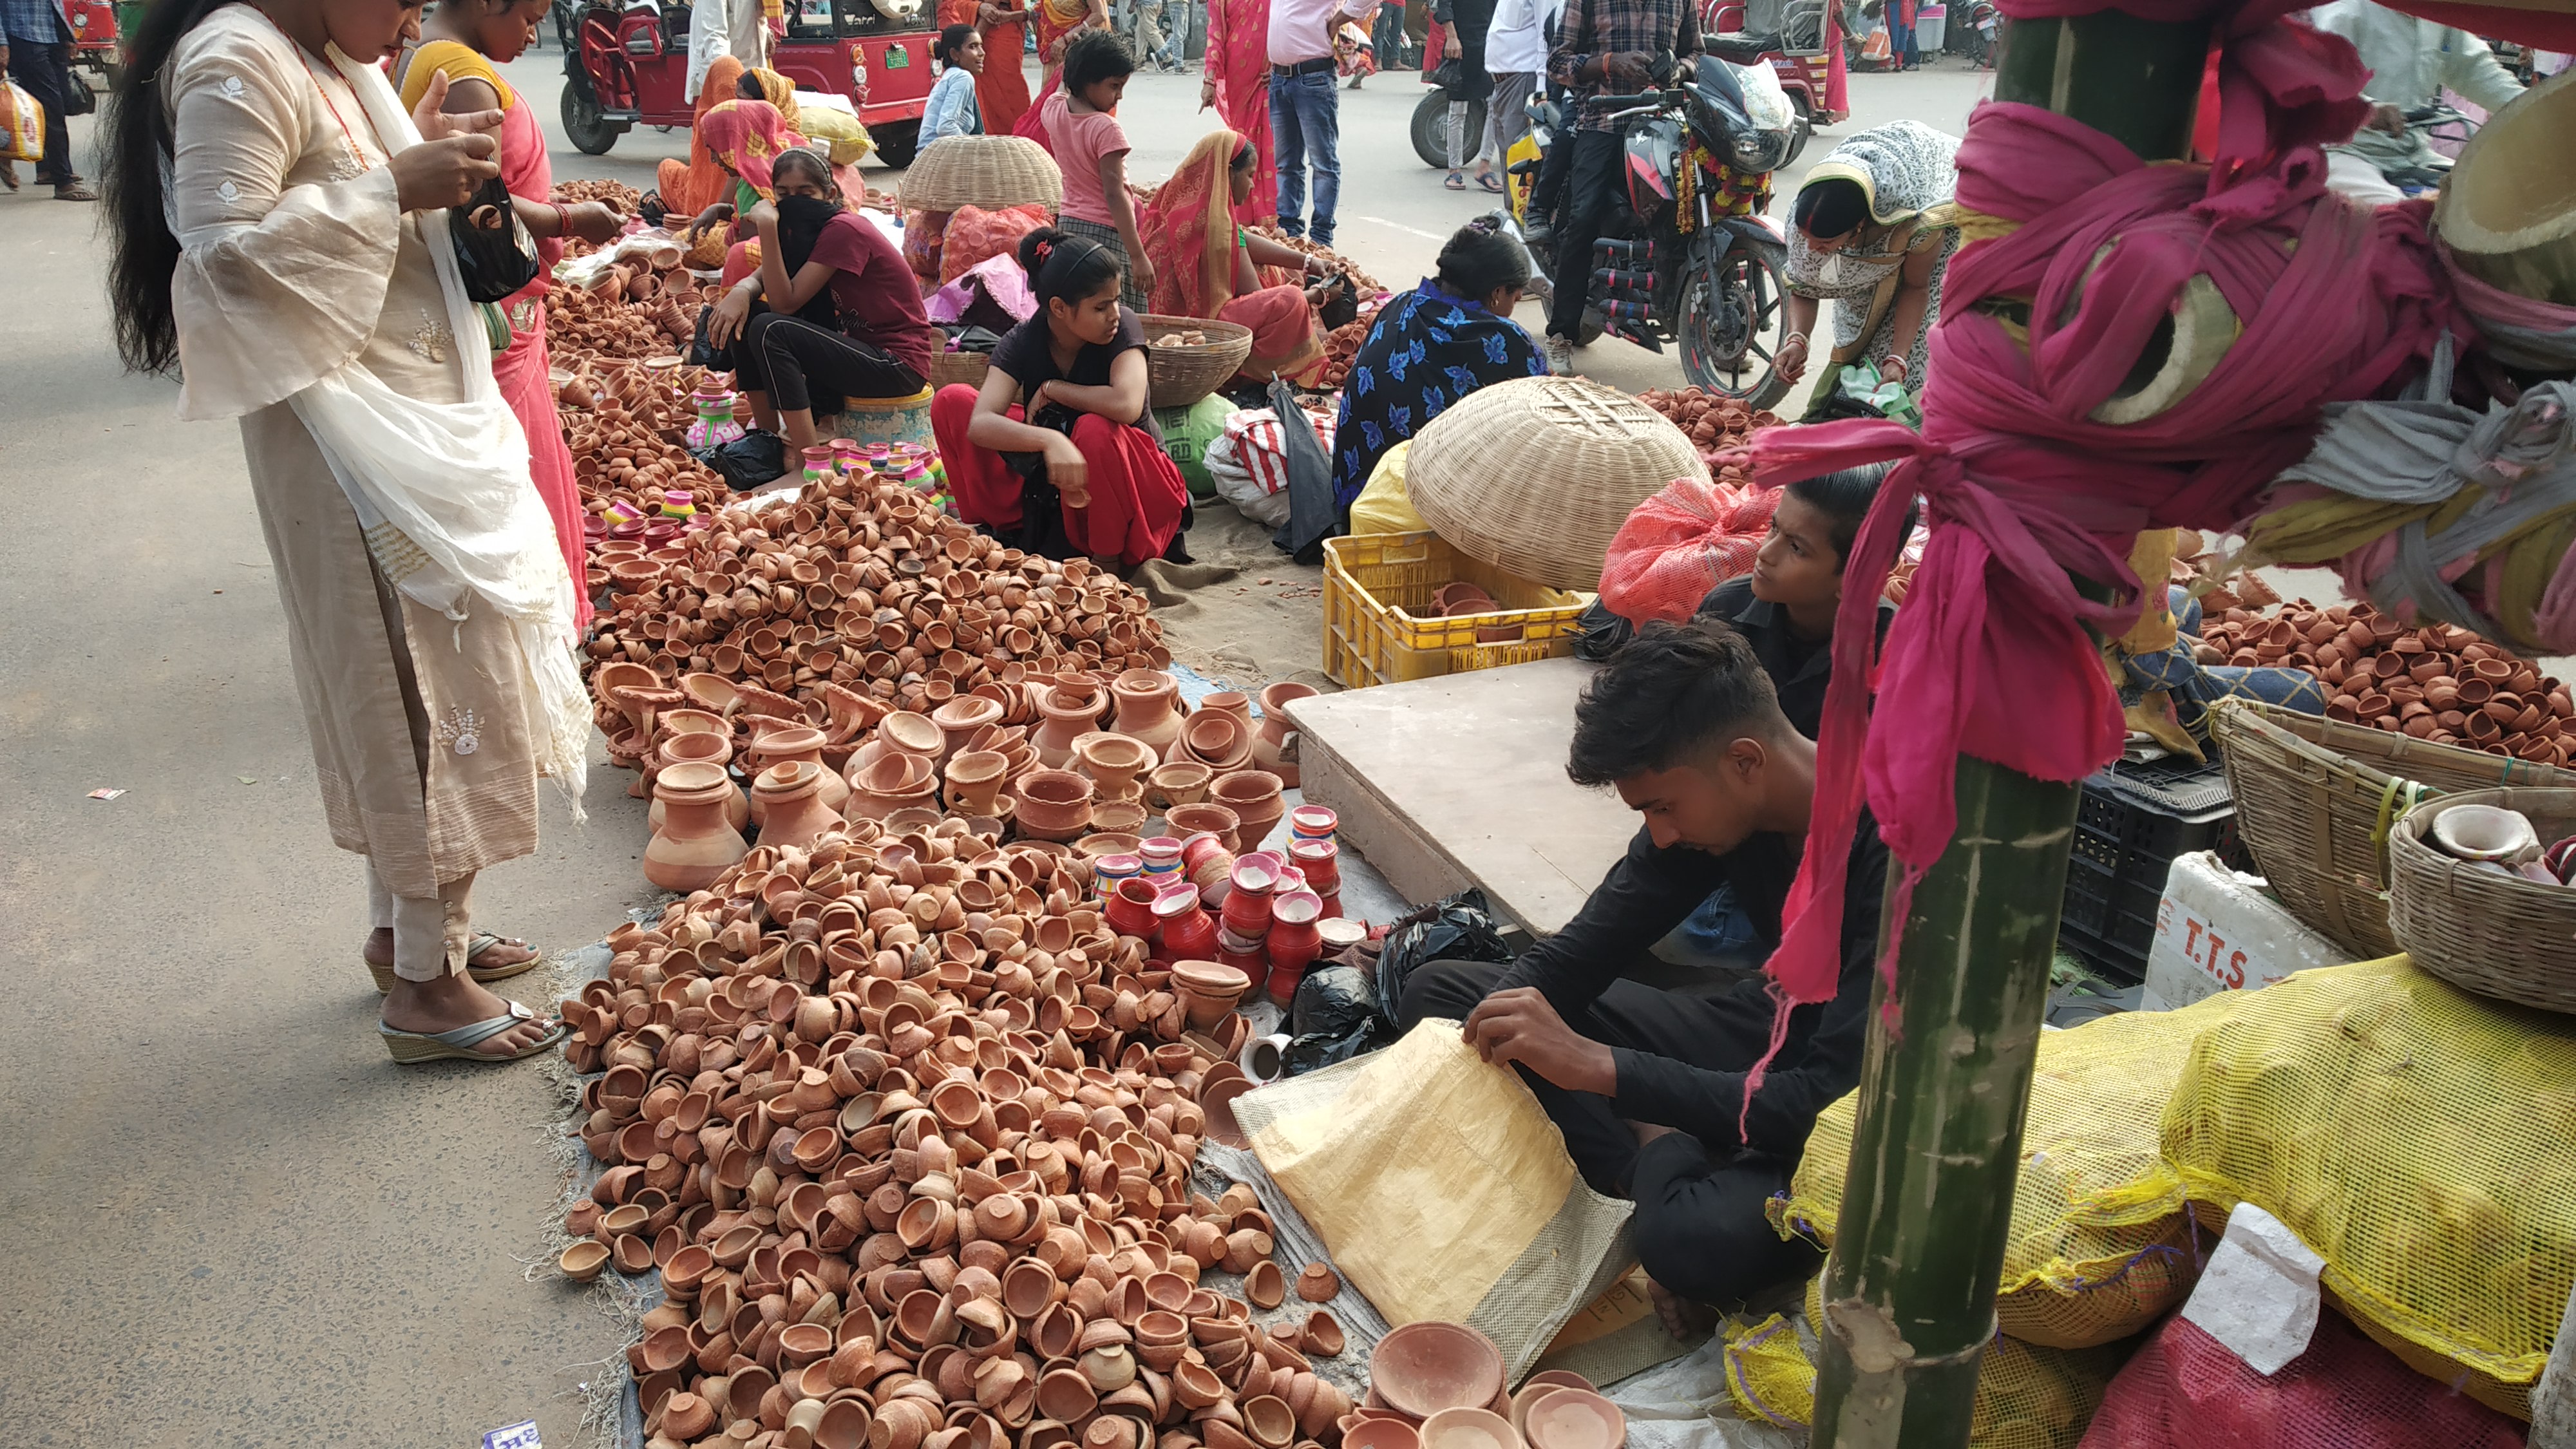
1649	1086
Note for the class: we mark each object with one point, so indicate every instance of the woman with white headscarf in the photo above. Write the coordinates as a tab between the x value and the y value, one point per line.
1870	232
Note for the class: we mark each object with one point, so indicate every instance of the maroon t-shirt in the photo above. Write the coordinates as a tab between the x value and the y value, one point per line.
879	299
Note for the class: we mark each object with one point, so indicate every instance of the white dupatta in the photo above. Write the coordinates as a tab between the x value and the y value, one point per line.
451	479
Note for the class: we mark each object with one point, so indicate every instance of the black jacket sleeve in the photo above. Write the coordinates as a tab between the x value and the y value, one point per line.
1646	894
1819	1062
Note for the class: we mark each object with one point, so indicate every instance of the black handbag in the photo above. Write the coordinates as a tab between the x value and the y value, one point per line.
495	256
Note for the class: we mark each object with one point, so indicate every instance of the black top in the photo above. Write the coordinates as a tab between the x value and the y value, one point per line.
1799	668
1027	353
1647	893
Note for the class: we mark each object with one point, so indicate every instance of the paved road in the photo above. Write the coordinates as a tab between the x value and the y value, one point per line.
231	1221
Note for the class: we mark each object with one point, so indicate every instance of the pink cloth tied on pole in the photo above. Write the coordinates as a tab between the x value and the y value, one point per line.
2023	488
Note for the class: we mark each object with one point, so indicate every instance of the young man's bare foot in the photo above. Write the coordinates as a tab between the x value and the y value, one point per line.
455	1000
1683	1319
502	952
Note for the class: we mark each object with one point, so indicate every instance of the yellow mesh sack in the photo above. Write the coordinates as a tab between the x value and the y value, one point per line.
1767	1372
2422	1140
2029	1396
2101	1245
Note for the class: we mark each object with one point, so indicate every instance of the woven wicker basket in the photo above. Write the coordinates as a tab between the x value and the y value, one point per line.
2482	930
2316	800
986	171
1179	375
1534	476
966	367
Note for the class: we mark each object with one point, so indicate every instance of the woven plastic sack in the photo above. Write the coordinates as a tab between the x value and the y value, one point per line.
975	234
1681	543
1187	432
2029	1396
843	136
22	125
2421	1140
2186	1390
2102	1243
1768	1376
1384	506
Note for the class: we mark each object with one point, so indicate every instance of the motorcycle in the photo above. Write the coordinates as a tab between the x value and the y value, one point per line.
1691	258
2443	131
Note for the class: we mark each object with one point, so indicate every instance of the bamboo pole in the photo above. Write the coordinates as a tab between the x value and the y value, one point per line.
1927	1198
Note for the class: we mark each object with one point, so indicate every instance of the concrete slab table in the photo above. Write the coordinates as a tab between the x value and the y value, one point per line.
1459	780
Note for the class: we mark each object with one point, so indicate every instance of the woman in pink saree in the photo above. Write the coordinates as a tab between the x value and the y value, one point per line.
1207	265
1235	78
460	41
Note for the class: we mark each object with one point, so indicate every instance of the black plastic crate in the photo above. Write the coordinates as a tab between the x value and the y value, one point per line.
2135	819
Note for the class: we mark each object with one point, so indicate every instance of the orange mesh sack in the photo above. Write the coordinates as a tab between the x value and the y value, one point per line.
976	236
1681	543
2102	1243
2419	1139
2186	1390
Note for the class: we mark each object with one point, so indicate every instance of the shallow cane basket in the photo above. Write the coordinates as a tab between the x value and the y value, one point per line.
1534	476
2316	800
2483	930
966	367
987	171
1178	374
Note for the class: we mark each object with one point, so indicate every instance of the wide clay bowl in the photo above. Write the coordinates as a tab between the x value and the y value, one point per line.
1381	1434
1574	1419
1423	1368
1469	1428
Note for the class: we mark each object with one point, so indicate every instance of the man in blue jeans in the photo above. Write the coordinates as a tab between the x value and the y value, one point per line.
1306	108
37	52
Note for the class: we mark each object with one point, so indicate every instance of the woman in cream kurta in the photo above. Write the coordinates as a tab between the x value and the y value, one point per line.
303	285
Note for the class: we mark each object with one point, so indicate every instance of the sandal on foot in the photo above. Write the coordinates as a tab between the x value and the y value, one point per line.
1457	181
486	975
1490	182
457	1044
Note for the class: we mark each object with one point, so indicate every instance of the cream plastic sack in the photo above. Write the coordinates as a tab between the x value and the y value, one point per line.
1442	1190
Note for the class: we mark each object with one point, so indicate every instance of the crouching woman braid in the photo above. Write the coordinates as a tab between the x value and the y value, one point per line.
1058	451
281	239
1649	1087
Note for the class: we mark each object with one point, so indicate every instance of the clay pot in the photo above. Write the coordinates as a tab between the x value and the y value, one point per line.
1149	708
790	799
1071	712
1053	804
1564	1418
913	734
697	841
1429	1366
1322	1337
1187	820
1467	1427
1114	761
705	747
1253	795
1181	782
1381	1433
583	1261
1219	741
1274	747
1318	1283
890	782
801	742
1118	817
1264	1287
975	781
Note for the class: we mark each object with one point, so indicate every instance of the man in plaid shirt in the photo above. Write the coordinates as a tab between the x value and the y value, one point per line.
36	48
1602	47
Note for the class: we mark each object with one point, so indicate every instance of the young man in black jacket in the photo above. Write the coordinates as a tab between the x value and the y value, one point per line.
1649	1086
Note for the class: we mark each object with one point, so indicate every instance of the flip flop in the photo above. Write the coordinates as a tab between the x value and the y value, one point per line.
411	1048
1490	182
483	941
1457	181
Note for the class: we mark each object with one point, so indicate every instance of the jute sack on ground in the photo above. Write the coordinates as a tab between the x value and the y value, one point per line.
2101	1243
1442	1189
2420	1139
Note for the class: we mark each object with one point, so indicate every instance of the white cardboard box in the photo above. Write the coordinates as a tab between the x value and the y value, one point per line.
2217	931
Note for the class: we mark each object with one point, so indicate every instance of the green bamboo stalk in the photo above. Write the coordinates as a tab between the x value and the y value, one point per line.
1927	1197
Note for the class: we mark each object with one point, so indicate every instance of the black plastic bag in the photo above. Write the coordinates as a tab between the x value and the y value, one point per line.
1460	928
495	256
1334	1019
1312	518
747	462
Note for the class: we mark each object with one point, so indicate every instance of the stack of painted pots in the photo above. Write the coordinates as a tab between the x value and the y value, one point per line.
907	1130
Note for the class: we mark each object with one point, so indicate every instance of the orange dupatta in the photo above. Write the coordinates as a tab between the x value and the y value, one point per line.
692	188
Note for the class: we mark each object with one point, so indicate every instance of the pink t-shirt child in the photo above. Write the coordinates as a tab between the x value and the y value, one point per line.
1080	139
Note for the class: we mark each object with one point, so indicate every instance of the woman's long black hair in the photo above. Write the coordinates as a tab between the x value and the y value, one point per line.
137	149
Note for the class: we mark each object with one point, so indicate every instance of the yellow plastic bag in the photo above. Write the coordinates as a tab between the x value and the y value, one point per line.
2422	1140
843	136
2101	1243
22	125
1383	506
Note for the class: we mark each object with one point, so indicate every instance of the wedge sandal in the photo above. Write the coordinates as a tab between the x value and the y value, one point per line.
411	1048
486	975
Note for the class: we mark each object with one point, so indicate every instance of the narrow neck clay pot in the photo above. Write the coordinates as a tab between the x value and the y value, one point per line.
706	748
1229	701
778	747
1071	712
793	812
696	842
975	781
1148	708
1114	761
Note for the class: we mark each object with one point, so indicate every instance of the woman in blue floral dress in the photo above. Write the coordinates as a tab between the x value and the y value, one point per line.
1430	347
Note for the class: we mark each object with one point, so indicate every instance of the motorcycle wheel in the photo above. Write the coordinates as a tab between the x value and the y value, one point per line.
1798	138
898	144
583	125
1727	313
1431	128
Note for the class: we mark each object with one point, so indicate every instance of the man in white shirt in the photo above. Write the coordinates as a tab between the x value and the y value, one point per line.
1305	107
1516	53
2412	62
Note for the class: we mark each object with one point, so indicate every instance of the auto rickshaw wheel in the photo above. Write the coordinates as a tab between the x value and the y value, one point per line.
583	124
1431	128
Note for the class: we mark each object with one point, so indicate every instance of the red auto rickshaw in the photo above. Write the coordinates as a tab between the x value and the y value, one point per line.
94	37
1808	32
626	64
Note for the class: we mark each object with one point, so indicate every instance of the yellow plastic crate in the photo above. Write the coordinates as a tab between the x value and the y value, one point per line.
1374	583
